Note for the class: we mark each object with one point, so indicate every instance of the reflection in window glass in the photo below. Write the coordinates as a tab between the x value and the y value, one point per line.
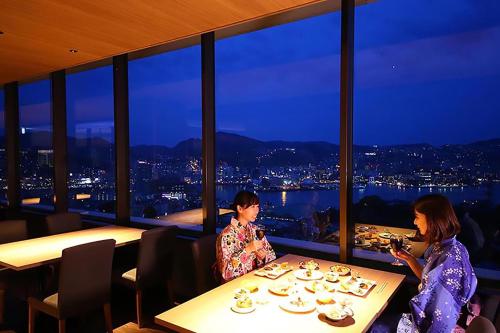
165	136
91	153
36	153
277	95
3	157
426	116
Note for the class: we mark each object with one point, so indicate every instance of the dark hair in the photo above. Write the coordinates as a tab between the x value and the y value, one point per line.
442	223
244	199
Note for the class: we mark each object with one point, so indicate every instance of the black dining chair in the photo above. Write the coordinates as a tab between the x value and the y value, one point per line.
203	250
10	231
84	285
481	324
13	231
63	222
154	265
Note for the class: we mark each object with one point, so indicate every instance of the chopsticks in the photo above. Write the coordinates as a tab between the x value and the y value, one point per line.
382	287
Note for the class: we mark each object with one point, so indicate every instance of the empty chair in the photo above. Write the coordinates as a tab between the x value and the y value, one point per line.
204	259
13	231
10	231
84	285
63	222
481	324
154	265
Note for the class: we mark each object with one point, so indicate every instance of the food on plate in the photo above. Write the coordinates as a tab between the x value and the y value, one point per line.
240	293
249	285
324	297
310	265
331	276
282	289
363	285
284	265
244	302
340	269
320	286
308	272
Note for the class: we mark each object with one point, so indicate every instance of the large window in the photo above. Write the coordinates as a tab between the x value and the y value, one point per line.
36	154
165	137
426	116
3	157
91	141
277	95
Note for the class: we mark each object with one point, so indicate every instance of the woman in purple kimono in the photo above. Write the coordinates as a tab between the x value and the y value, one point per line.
447	278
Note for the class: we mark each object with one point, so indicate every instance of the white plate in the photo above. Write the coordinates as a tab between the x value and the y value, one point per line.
386	235
242	310
281	289
325	286
301	274
335	312
307	307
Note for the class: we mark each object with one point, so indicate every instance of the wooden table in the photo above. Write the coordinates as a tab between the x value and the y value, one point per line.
39	251
211	311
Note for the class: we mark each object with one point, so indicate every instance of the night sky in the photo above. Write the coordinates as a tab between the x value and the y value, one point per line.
426	71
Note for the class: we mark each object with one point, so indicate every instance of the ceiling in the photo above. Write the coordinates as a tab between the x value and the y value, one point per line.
39	34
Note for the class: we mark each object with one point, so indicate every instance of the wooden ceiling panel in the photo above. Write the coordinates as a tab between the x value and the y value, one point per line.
38	34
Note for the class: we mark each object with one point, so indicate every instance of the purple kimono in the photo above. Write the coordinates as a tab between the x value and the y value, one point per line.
448	282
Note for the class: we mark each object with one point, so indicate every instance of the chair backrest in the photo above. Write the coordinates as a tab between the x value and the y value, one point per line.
480	324
13	231
85	277
63	222
204	258
155	258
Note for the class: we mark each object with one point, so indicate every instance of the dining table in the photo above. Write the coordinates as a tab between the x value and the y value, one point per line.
370	233
270	311
40	251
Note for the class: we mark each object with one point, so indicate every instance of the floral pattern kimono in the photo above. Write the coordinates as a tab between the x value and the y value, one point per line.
448	282
232	259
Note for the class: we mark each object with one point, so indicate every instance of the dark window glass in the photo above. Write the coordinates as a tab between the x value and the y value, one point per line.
165	137
426	117
277	95
3	158
36	154
91	141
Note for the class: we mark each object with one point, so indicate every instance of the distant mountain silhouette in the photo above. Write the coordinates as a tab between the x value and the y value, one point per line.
244	151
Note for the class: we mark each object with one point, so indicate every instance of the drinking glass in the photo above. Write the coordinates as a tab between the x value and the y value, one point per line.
260	232
396	245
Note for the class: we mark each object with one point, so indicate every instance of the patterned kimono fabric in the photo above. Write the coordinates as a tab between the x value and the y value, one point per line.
232	259
448	282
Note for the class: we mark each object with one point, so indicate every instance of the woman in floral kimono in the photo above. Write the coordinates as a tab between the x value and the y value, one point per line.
238	248
447	278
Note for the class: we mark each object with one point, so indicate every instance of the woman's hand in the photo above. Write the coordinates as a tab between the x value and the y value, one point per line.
403	255
261	254
254	246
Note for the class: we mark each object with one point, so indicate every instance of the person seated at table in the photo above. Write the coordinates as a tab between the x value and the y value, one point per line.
239	250
447	278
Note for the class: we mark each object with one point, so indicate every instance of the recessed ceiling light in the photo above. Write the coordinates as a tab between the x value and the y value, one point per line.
73	50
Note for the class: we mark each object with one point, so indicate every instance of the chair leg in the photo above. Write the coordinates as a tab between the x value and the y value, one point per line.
170	292
62	325
2	302
31	319
138	302
107	318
